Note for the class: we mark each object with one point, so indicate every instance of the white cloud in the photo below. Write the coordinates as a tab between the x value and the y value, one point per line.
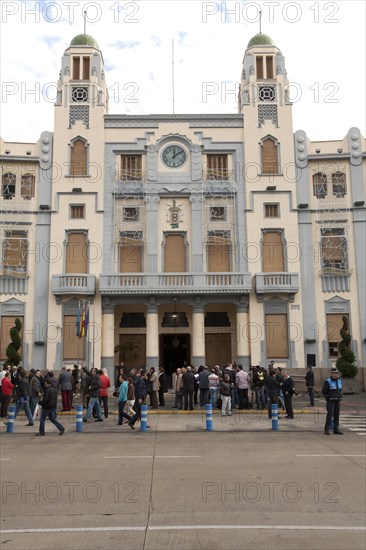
324	51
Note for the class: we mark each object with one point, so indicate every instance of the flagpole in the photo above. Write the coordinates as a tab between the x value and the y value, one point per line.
93	343
78	333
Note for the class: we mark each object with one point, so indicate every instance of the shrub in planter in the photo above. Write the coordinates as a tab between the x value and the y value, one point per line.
12	353
345	363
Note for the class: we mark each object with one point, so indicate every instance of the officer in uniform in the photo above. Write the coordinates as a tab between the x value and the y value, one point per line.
332	391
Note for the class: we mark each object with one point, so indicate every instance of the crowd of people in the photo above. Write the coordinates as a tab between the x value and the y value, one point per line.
226	388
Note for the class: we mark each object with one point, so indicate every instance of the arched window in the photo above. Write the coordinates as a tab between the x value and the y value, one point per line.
79	158
269	154
320	187
8	185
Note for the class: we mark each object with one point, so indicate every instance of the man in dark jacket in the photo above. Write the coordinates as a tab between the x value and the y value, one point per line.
332	391
288	390
140	397
309	381
204	386
273	388
49	404
22	396
94	386
188	388
163	386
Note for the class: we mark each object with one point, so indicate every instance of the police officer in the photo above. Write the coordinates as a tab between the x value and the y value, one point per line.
332	391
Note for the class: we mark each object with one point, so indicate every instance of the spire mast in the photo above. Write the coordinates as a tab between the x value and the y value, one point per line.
260	21
84	17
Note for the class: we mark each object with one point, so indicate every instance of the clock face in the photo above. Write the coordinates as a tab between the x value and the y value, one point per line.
174	156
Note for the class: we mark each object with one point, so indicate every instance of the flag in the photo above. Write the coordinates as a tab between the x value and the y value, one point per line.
78	322
82	324
86	322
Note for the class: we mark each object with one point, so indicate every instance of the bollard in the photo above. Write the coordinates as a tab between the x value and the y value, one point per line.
274	409
10	422
209	417
143	426
79	418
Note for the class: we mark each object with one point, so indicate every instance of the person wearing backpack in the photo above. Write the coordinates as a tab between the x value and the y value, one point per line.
259	381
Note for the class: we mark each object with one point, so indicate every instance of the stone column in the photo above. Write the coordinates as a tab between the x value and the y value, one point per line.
198	336
152	337
108	339
242	336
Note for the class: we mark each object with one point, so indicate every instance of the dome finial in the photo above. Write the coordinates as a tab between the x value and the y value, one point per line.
260	21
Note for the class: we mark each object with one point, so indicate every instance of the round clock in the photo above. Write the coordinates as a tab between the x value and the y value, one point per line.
174	156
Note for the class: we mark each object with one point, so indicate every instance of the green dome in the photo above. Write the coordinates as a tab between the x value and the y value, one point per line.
260	40
84	40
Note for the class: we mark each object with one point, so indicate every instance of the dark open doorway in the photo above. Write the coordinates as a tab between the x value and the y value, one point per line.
174	351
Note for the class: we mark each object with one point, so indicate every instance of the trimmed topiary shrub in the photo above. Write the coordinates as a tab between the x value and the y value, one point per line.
12	350
345	363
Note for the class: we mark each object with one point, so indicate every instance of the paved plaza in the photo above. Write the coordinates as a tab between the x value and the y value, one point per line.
178	486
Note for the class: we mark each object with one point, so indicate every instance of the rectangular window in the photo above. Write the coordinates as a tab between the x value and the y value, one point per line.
86	68
334	249
7	322
339	184
77	211
272	252
15	253
218	253
130	253
259	66
27	186
269	66
334	325
320	189
271	211
73	346
8	185
175	253
131	214
276	336
217	167
217	213
76	68
131	167
76	253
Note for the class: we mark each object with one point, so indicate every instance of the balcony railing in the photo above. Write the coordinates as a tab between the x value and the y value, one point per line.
13	285
277	282
75	283
175	283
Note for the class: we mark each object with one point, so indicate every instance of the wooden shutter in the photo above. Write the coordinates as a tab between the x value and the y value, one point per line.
175	254
276	336
334	325
269	157
272	252
130	255
269	66
76	253
7	323
73	346
218	349
218	254
78	159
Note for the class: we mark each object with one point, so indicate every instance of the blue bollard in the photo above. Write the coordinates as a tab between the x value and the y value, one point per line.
209	417
274	409
79	418
143	426
10	422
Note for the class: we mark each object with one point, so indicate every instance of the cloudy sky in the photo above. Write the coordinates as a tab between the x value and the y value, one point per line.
323	44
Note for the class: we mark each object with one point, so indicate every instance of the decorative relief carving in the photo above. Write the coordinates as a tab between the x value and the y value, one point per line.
267	112
79	112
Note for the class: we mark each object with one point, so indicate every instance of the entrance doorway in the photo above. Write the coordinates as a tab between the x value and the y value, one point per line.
218	349
174	351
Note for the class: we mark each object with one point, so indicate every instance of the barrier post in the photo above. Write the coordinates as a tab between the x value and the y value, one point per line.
79	418
143	426
274	410
10	422
209	417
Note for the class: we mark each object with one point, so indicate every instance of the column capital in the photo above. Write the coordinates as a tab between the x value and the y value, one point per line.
151	309
198	308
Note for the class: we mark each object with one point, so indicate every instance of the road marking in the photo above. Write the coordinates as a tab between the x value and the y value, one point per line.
335	455
186	527
156	456
4	458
